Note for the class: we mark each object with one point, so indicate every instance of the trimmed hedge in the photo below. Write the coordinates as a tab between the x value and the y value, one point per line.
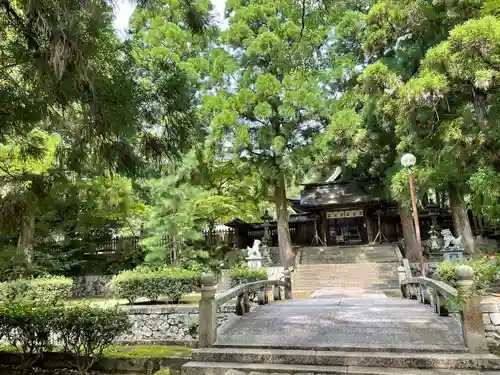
152	283
46	288
245	275
483	273
84	330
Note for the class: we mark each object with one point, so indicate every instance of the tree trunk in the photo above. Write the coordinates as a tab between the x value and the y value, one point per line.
411	247
284	239
460	218
27	237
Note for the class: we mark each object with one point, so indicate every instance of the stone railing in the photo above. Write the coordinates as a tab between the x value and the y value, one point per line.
209	302
435	293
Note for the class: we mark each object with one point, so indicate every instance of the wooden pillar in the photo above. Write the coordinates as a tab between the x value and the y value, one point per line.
368	221
324	228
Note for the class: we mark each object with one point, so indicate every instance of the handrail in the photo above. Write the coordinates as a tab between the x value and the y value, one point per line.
436	293
208	302
246	288
443	288
397	250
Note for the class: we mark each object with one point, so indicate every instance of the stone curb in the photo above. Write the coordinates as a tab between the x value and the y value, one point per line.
123	365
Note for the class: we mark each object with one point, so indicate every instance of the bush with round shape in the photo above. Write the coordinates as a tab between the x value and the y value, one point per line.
85	331
152	283
26	325
47	288
483	273
245	275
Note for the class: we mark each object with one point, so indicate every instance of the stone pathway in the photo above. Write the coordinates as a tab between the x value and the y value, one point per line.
343	319
348	292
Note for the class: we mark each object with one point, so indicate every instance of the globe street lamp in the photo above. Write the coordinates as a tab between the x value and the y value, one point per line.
408	161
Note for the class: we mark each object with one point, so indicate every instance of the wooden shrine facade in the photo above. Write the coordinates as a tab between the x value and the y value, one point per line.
342	213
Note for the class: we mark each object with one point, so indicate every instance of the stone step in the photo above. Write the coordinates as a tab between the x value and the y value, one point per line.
427	360
369	275
233	368
345	282
351	265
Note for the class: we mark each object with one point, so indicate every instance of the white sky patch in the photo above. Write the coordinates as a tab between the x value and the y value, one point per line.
123	12
125	8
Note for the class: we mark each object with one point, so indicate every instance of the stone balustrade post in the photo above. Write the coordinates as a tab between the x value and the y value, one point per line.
208	312
288	284
472	319
401	278
276	292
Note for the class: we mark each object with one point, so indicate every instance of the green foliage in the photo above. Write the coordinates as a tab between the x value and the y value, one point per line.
29	326
13	264
86	331
243	275
47	288
26	325
152	283
483	273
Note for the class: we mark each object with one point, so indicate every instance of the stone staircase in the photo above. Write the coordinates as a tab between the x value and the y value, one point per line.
363	266
383	253
359	361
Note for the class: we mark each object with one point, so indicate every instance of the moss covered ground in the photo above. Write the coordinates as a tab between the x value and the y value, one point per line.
135	351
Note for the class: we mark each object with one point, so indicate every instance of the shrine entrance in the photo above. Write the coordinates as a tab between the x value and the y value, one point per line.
346	227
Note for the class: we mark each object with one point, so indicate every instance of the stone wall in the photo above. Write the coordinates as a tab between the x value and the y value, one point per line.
430	269
167	323
490	309
91	286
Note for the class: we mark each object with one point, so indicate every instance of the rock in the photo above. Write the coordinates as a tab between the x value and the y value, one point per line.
486	319
491	341
234	372
490	328
495	318
491	307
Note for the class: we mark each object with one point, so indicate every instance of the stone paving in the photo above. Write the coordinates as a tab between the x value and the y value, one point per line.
344	319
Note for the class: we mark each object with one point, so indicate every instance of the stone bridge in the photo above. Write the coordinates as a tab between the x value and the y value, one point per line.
337	332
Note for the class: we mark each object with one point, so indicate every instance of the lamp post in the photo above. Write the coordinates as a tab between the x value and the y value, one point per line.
408	161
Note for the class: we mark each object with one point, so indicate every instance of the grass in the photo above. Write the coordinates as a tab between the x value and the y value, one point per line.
167	371
111	302
134	351
146	351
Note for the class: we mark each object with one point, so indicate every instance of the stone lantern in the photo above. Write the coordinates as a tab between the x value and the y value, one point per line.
266	239
266	218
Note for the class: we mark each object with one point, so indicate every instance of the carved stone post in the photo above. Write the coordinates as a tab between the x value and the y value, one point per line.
472	319
262	294
401	278
276	292
440	304
208	312
424	294
288	284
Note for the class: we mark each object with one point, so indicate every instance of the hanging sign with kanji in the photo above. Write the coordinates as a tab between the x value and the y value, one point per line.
344	214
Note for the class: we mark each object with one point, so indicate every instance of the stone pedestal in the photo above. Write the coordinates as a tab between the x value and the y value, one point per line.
208	312
255	263
472	319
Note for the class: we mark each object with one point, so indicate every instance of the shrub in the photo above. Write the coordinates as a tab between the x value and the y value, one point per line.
483	273
13	263
85	331
26	325
245	275
154	282
48	288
